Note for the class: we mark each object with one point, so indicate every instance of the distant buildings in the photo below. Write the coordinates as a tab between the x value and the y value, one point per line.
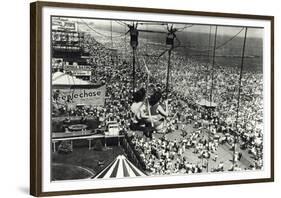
68	54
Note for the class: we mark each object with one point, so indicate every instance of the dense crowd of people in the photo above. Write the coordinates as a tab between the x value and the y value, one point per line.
162	156
190	81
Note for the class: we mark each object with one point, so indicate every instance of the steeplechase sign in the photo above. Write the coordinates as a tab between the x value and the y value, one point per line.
73	95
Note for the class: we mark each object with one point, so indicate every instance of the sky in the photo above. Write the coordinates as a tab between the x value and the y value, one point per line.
200	28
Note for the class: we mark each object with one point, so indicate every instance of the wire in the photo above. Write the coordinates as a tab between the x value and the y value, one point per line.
212	84
120	23
218	47
207	50
240	76
153	23
108	36
207	69
239	92
223	44
210	36
213	65
183	28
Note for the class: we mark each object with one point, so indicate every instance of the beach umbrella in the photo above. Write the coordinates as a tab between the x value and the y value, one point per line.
119	168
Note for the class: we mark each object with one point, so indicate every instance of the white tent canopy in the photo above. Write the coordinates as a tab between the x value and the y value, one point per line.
60	78
206	103
119	168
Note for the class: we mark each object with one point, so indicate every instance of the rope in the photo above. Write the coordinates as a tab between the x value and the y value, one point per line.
147	83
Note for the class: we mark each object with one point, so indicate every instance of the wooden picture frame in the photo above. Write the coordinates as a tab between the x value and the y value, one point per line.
37	93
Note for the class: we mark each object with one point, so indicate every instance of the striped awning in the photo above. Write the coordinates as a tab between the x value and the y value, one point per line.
119	168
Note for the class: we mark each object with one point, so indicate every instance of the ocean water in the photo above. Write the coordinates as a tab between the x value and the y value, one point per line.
193	45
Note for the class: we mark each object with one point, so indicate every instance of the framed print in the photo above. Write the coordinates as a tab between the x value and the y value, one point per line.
127	98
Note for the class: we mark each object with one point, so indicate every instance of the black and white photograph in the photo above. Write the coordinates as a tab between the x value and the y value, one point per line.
140	98
133	98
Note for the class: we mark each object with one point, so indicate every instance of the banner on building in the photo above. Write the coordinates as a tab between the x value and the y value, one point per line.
79	95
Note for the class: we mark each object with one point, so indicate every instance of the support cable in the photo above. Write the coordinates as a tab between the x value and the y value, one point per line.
239	93
211	91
